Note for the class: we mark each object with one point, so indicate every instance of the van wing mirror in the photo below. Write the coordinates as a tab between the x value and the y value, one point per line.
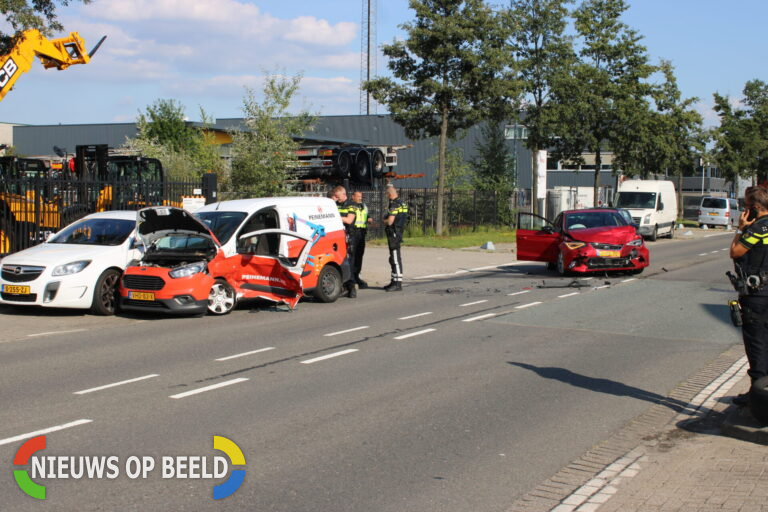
661	206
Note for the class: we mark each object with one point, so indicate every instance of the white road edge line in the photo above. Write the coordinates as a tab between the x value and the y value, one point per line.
567	295
244	354
30	435
415	316
472	303
348	330
54	332
629	280
412	334
518	293
335	354
107	386
528	305
717	234
487	315
208	388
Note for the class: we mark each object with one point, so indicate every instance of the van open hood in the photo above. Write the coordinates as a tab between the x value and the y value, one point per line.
158	221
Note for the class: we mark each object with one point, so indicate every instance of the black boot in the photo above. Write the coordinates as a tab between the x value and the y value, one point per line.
390	285
394	287
361	284
351	291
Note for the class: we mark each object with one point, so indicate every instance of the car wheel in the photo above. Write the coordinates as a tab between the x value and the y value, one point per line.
654	234
672	232
222	298
758	400
551	266
328	284
560	264
105	293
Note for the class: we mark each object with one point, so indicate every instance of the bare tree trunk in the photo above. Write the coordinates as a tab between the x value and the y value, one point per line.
441	169
598	165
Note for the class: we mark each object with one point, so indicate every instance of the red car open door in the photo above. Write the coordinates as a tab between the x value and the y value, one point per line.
537	238
271	265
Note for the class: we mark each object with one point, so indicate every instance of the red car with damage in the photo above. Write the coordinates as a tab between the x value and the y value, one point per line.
588	240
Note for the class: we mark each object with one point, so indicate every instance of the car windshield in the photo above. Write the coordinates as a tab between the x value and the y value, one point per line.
95	232
223	224
586	220
182	242
713	202
636	200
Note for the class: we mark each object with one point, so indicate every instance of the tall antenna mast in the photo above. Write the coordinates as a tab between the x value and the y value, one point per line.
367	55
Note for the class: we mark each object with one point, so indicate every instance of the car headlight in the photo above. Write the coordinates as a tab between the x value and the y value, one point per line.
574	245
70	268
647	219
636	242
187	270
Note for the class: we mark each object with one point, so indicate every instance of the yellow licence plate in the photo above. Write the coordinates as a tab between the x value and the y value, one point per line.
16	290
609	254
713	213
141	296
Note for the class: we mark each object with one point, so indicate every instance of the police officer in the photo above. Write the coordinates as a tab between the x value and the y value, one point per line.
395	220
359	233
347	213
749	250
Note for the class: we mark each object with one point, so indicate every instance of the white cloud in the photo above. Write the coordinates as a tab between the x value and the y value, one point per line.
308	29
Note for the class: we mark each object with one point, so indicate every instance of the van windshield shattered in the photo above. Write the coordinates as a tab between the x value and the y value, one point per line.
636	200
223	224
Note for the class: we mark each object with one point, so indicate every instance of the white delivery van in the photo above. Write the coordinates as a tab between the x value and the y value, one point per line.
718	211
653	205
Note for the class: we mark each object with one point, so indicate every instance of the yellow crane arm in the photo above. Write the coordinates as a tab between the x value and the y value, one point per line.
53	53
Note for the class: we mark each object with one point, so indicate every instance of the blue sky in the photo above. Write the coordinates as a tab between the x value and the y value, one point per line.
204	52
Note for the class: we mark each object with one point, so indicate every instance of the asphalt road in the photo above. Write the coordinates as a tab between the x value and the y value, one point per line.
458	394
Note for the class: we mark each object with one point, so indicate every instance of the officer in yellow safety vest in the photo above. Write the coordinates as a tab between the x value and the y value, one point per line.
359	233
395	220
347	212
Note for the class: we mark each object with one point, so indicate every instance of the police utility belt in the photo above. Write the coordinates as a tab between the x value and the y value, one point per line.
748	285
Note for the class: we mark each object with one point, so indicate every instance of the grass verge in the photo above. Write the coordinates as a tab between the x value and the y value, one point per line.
455	240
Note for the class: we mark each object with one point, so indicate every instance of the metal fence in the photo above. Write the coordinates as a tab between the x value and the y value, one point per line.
33	208
462	209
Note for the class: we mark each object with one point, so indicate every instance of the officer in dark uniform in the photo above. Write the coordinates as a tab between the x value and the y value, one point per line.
395	220
749	250
347	213
359	233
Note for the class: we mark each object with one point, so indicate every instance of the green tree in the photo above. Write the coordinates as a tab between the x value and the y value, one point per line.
741	140
450	69
165	123
605	98
543	53
186	152
264	148
22	15
494	168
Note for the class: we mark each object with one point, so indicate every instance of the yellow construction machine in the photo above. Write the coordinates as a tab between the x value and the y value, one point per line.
53	53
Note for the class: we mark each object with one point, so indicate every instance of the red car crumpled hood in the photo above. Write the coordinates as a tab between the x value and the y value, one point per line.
605	234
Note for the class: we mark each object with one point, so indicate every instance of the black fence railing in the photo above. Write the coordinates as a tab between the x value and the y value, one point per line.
33	208
462	209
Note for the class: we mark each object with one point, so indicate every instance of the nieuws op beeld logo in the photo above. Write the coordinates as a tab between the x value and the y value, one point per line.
134	467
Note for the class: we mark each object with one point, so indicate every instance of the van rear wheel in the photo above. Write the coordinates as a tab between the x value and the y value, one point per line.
328	284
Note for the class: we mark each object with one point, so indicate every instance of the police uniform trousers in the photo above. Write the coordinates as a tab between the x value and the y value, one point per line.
754	331
394	240
358	246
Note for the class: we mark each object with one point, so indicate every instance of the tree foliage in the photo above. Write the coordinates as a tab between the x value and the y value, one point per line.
741	140
22	15
186	152
264	149
449	70
544	54
605	98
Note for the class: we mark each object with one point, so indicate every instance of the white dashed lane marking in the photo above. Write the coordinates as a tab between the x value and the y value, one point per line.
518	293
567	295
487	315
245	354
30	435
528	305
472	303
208	388
107	386
412	334
415	316
347	330
329	356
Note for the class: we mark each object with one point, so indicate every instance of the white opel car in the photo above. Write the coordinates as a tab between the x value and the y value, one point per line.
78	267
